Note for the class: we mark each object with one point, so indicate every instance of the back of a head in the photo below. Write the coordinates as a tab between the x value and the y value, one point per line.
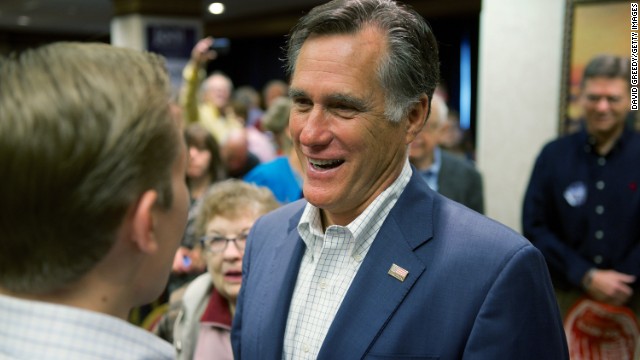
272	90
411	67
235	151
85	129
276	118
241	110
607	66
248	96
236	140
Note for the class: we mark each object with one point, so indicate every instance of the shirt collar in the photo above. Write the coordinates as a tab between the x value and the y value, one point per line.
590	141
364	228
430	174
437	161
79	332
217	311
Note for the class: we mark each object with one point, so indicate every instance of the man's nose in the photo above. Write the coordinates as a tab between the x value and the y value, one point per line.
316	128
603	104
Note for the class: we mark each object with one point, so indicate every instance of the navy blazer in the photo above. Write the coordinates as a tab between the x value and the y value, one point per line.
475	289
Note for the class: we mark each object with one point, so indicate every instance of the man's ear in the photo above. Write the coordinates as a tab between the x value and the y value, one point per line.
417	118
143	223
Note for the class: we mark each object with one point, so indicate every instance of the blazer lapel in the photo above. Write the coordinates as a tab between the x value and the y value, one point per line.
287	256
375	295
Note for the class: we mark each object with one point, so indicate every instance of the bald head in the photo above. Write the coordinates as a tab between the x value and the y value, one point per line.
235	150
439	112
422	147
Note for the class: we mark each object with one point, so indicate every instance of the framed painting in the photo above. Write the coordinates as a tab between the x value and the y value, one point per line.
592	27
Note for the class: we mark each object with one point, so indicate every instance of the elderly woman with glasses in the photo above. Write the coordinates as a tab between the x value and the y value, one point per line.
199	320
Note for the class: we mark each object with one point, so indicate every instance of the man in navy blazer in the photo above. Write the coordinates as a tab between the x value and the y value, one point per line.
372	263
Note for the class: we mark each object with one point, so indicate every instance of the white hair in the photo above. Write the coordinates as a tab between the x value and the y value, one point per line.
439	110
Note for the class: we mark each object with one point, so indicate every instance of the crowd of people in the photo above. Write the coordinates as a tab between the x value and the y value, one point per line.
329	216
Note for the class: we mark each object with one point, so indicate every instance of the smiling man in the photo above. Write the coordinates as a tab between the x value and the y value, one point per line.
372	262
583	203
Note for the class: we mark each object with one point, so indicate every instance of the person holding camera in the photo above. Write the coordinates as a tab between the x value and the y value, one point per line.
206	99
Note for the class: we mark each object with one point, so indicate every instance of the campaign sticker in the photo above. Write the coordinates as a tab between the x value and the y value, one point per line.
576	194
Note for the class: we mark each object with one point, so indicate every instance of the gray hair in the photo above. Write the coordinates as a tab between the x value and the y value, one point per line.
439	110
411	66
232	199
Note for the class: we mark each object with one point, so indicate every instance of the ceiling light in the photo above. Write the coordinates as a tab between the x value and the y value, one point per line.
216	8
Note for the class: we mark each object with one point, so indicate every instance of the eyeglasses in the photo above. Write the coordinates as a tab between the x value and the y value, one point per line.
217	243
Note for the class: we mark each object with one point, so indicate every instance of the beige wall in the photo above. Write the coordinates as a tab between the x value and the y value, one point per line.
518	96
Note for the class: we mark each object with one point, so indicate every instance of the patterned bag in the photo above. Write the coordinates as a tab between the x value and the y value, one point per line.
601	331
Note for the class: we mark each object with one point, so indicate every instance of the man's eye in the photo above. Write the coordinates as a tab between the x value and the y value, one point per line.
345	107
345	111
610	99
302	103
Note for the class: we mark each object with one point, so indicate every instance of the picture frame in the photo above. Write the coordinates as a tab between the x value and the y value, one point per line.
592	27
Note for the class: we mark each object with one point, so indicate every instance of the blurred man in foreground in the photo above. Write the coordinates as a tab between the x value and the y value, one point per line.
94	200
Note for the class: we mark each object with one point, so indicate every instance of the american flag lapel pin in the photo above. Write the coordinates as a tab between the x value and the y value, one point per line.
398	272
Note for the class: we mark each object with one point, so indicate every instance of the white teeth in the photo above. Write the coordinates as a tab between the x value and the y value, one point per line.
323	162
